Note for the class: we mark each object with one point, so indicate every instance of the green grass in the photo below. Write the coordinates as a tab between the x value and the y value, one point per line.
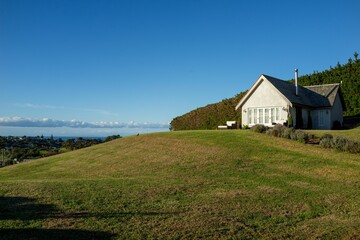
350	134
191	184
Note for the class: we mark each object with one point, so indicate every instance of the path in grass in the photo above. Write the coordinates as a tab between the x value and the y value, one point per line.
192	184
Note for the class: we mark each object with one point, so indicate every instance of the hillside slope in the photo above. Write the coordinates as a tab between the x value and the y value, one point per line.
185	184
210	116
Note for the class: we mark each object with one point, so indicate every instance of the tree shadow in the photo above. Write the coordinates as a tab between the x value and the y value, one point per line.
21	208
27	209
54	234
113	214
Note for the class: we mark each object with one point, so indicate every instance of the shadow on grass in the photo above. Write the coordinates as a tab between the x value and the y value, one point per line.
21	208
113	214
27	209
54	234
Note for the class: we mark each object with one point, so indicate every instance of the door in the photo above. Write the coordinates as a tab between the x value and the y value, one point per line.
299	120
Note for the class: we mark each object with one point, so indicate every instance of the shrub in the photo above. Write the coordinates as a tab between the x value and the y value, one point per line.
354	147
293	135
290	121
341	143
276	131
259	128
301	136
245	127
287	133
326	135
326	142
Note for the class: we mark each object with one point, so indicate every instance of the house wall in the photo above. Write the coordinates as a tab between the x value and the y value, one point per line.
329	115
292	112
305	117
337	111
264	97
321	118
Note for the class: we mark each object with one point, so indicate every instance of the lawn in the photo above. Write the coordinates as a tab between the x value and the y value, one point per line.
187	184
350	133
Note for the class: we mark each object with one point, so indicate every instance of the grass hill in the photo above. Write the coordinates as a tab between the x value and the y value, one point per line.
185	184
212	115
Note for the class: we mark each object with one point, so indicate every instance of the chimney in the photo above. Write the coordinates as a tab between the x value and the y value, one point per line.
296	82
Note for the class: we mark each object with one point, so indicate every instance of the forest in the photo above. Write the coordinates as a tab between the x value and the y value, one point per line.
212	115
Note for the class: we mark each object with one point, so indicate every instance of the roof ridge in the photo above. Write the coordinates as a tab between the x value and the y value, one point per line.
328	84
265	75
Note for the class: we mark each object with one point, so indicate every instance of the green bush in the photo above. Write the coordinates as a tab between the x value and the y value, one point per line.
287	133
341	143
327	142
326	135
354	147
259	128
301	136
276	131
290	121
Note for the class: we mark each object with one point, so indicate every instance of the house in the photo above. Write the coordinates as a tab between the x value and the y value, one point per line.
272	101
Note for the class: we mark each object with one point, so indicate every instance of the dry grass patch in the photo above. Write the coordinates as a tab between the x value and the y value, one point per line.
304	185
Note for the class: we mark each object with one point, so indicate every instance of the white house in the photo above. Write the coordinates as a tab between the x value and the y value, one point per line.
273	101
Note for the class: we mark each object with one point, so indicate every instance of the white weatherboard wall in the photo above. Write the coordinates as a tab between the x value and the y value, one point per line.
337	111
265	96
321	118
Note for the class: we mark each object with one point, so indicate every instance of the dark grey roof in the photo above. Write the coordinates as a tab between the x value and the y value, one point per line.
312	96
327	90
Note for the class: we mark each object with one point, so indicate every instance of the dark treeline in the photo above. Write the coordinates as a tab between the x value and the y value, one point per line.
348	74
210	116
17	149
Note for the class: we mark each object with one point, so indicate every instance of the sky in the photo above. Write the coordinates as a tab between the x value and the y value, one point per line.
103	67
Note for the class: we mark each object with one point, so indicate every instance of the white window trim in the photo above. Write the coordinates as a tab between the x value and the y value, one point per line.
274	115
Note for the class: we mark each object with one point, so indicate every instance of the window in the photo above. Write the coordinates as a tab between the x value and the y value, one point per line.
263	115
266	115
261	118
255	116
250	116
272	115
277	114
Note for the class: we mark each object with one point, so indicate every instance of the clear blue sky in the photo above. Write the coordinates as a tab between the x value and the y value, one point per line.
145	62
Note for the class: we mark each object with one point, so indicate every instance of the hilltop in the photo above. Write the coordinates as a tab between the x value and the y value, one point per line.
212	115
184	184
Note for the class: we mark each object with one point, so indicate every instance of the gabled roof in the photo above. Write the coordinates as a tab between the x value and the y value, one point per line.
327	90
312	96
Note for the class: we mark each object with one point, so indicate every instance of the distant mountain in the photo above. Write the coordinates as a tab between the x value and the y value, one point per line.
212	115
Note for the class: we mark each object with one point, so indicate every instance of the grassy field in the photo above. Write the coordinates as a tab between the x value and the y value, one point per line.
350	134
191	184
